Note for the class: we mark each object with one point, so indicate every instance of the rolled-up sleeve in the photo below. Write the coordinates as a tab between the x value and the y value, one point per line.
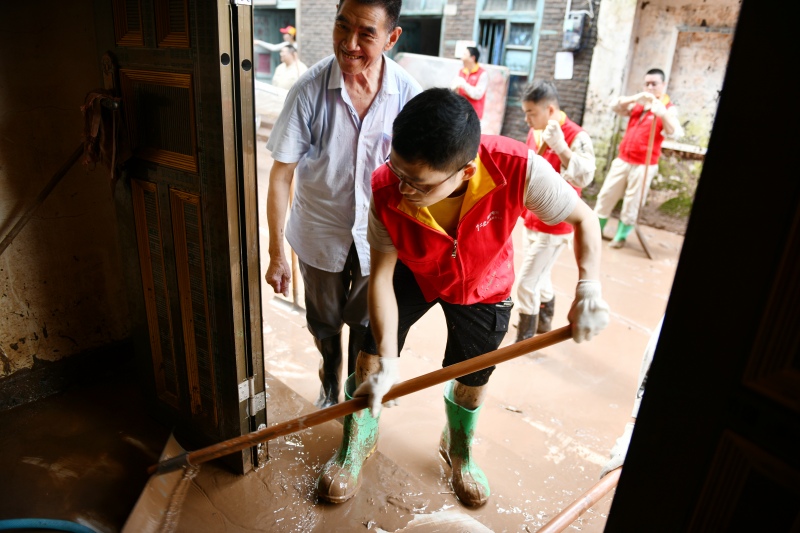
582	166
377	235
548	195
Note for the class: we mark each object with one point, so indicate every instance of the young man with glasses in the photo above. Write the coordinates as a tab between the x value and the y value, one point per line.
443	210
648	110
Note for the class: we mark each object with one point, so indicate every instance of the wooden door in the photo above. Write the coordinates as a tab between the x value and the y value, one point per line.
716	443
187	200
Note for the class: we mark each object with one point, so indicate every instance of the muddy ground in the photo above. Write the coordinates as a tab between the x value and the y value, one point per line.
551	417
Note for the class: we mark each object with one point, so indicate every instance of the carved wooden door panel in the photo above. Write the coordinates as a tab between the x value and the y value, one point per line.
187	203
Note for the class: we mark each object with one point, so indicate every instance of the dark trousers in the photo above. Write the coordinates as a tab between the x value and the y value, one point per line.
472	330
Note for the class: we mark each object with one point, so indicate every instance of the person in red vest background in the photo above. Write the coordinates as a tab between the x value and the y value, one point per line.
570	152
625	177
472	80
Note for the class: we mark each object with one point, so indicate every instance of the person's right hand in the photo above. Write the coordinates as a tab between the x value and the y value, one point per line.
279	275
378	384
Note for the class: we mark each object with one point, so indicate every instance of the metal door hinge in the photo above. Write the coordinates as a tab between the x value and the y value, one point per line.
256	402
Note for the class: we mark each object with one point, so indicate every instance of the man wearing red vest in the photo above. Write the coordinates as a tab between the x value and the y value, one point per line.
625	177
472	80
443	210
569	150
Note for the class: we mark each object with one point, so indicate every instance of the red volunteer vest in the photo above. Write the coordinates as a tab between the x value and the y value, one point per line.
472	79
570	130
633	148
478	265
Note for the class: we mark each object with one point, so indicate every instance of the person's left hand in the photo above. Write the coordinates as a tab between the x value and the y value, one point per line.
619	451
378	384
658	108
554	137
589	312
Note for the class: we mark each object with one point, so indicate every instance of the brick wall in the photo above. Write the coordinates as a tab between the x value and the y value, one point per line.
571	93
458	27
314	28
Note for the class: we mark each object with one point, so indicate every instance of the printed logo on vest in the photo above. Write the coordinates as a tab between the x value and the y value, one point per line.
493	215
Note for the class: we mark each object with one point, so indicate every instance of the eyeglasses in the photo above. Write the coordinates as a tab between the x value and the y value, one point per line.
426	191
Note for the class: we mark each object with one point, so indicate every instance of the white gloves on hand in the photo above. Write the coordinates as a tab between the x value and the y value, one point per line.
589	312
554	137
456	83
379	384
658	108
644	98
619	451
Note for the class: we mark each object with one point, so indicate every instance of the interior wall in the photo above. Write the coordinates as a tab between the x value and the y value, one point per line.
61	289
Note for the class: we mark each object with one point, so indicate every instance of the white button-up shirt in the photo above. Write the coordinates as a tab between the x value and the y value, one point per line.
336	154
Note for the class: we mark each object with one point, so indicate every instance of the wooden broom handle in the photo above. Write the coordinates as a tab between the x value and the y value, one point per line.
357	404
569	514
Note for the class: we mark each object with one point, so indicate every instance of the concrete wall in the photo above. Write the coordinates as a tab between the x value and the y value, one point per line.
61	292
689	40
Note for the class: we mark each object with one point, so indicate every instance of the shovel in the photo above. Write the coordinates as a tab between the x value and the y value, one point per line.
236	444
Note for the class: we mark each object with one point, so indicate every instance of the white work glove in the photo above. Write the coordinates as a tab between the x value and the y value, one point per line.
554	137
619	451
457	83
379	384
658	108
589	312
644	98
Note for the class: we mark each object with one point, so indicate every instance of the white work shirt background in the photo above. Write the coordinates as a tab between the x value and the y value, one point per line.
336	154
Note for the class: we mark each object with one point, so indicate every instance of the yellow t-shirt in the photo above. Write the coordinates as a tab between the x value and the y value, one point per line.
446	213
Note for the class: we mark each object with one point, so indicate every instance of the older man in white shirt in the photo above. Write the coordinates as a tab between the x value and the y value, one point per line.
334	130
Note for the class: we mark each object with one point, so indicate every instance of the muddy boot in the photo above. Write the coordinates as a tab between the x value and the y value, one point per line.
341	476
623	230
469	481
546	310
355	343
526	327
330	370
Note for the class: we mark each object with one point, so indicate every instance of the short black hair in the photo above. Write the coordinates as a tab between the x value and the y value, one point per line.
474	52
543	91
392	8
291	48
438	128
658	72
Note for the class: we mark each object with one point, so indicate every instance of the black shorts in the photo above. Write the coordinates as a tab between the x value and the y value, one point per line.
472	330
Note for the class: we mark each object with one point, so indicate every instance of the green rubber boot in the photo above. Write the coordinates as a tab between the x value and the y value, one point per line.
469	481
623	230
602	223
341	476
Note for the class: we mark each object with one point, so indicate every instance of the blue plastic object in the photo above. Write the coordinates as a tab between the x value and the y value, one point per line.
44	523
